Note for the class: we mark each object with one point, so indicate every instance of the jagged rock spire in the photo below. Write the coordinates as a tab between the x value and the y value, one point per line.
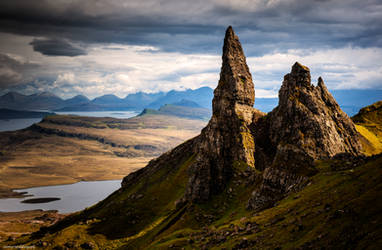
227	138
235	84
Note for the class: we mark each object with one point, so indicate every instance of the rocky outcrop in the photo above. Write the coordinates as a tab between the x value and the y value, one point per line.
227	137
307	125
309	118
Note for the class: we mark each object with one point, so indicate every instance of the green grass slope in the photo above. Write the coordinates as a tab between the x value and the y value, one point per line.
369	124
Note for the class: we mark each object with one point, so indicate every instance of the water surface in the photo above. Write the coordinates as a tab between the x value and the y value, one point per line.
73	197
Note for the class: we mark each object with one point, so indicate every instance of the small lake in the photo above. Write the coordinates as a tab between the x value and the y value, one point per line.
16	124
73	197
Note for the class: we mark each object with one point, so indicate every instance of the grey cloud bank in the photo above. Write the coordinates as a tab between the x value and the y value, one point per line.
56	47
270	25
101	47
12	70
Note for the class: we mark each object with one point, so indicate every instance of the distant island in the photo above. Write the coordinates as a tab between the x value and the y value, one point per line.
183	109
40	200
6	114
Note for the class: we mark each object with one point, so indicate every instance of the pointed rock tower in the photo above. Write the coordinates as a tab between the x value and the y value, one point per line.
227	138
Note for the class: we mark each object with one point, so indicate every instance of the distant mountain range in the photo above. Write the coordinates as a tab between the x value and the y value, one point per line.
350	101
201	96
136	102
42	101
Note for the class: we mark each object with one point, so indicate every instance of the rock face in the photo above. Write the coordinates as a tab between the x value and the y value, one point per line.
227	137
307	125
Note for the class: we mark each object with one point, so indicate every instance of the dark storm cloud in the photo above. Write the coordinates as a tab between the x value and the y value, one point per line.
174	25
12	70
57	47
197	26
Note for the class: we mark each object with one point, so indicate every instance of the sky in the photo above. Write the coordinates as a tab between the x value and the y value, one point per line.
97	47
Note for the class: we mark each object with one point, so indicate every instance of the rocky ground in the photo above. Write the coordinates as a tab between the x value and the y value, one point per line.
15	224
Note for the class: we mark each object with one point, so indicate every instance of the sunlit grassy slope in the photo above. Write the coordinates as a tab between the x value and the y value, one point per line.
369	124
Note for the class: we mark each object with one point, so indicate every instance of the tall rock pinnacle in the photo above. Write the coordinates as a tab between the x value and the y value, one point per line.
227	138
235	84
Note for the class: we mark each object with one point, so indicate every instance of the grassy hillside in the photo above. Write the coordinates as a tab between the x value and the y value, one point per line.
369	124
333	211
